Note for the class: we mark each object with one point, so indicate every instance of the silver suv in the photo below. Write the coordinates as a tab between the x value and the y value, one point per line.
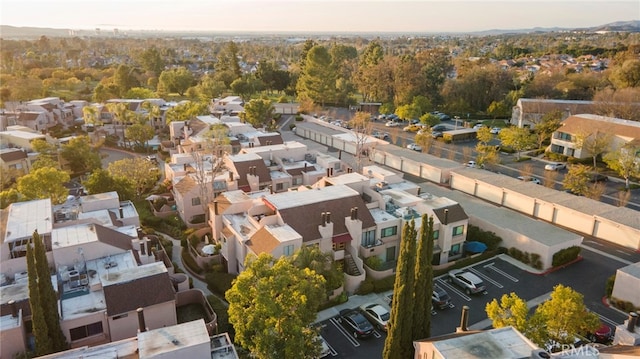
469	282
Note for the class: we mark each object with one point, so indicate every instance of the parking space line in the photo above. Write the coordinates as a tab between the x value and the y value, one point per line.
623	252
500	271
455	290
376	334
607	320
344	332
476	272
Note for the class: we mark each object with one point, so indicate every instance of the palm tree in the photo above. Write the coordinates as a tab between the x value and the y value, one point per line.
91	117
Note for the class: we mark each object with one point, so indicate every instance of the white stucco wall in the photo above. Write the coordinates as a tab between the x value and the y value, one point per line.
627	284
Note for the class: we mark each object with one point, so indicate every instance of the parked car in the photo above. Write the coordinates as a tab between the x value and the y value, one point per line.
439	128
555	166
602	335
478	126
152	158
440	298
376	314
436	134
415	147
495	130
356	323
529	179
325	351
471	164
392	124
412	128
381	135
469	282
597	177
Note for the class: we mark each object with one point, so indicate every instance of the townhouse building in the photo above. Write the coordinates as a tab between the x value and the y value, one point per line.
566	140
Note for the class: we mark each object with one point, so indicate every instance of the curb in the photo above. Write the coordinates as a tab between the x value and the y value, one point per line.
554	269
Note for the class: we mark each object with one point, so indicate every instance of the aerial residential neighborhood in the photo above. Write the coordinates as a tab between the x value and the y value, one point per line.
259	195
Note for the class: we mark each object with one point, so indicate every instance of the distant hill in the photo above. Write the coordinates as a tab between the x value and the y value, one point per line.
31	33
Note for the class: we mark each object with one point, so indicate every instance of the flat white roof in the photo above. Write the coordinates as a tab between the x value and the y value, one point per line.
26	217
24	134
159	343
121	275
301	198
73	235
633	270
282	233
502	343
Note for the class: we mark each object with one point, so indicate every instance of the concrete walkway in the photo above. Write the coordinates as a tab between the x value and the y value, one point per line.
177	260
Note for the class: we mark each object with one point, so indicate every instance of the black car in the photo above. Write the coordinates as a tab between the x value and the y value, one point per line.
439	128
440	298
597	177
355	323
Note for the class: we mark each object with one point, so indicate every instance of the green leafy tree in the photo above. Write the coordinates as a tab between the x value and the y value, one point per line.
510	311
9	196
408	112
272	304
176	80
577	179
398	343
47	296
101	181
186	111
423	281
517	138
484	135
434	64
258	112
46	182
139	93
624	161
498	109
429	119
547	125
228	63
210	88
627	75
594	143
563	316
247	86
44	344
47	154
322	263
151	60
142	174
80	155
124	79
318	78
139	133
91	117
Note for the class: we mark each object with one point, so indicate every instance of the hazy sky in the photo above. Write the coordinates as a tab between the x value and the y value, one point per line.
315	16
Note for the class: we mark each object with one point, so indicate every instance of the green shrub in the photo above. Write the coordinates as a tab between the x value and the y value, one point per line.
194	241
366	287
218	282
283	99
490	239
220	308
299	118
190	262
558	157
523	158
292	126
623	305
373	262
536	262
384	284
565	256
609	285
277	116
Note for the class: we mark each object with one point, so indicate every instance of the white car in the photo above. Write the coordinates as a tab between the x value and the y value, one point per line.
377	315
478	126
325	351
392	124
471	164
555	166
414	146
495	130
529	179
469	282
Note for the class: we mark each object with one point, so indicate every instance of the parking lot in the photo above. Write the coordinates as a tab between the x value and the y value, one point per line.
499	276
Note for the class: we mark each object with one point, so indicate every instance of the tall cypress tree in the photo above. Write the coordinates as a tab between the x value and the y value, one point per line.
48	297
38	323
424	281
398	344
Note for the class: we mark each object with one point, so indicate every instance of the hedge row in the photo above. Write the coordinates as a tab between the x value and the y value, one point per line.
531	259
565	256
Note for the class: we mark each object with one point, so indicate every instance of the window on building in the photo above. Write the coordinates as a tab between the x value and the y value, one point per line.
85	331
297	181
368	238
219	186
455	249
338	246
457	231
436	234
279	186
564	136
195	201
389	231
288	250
